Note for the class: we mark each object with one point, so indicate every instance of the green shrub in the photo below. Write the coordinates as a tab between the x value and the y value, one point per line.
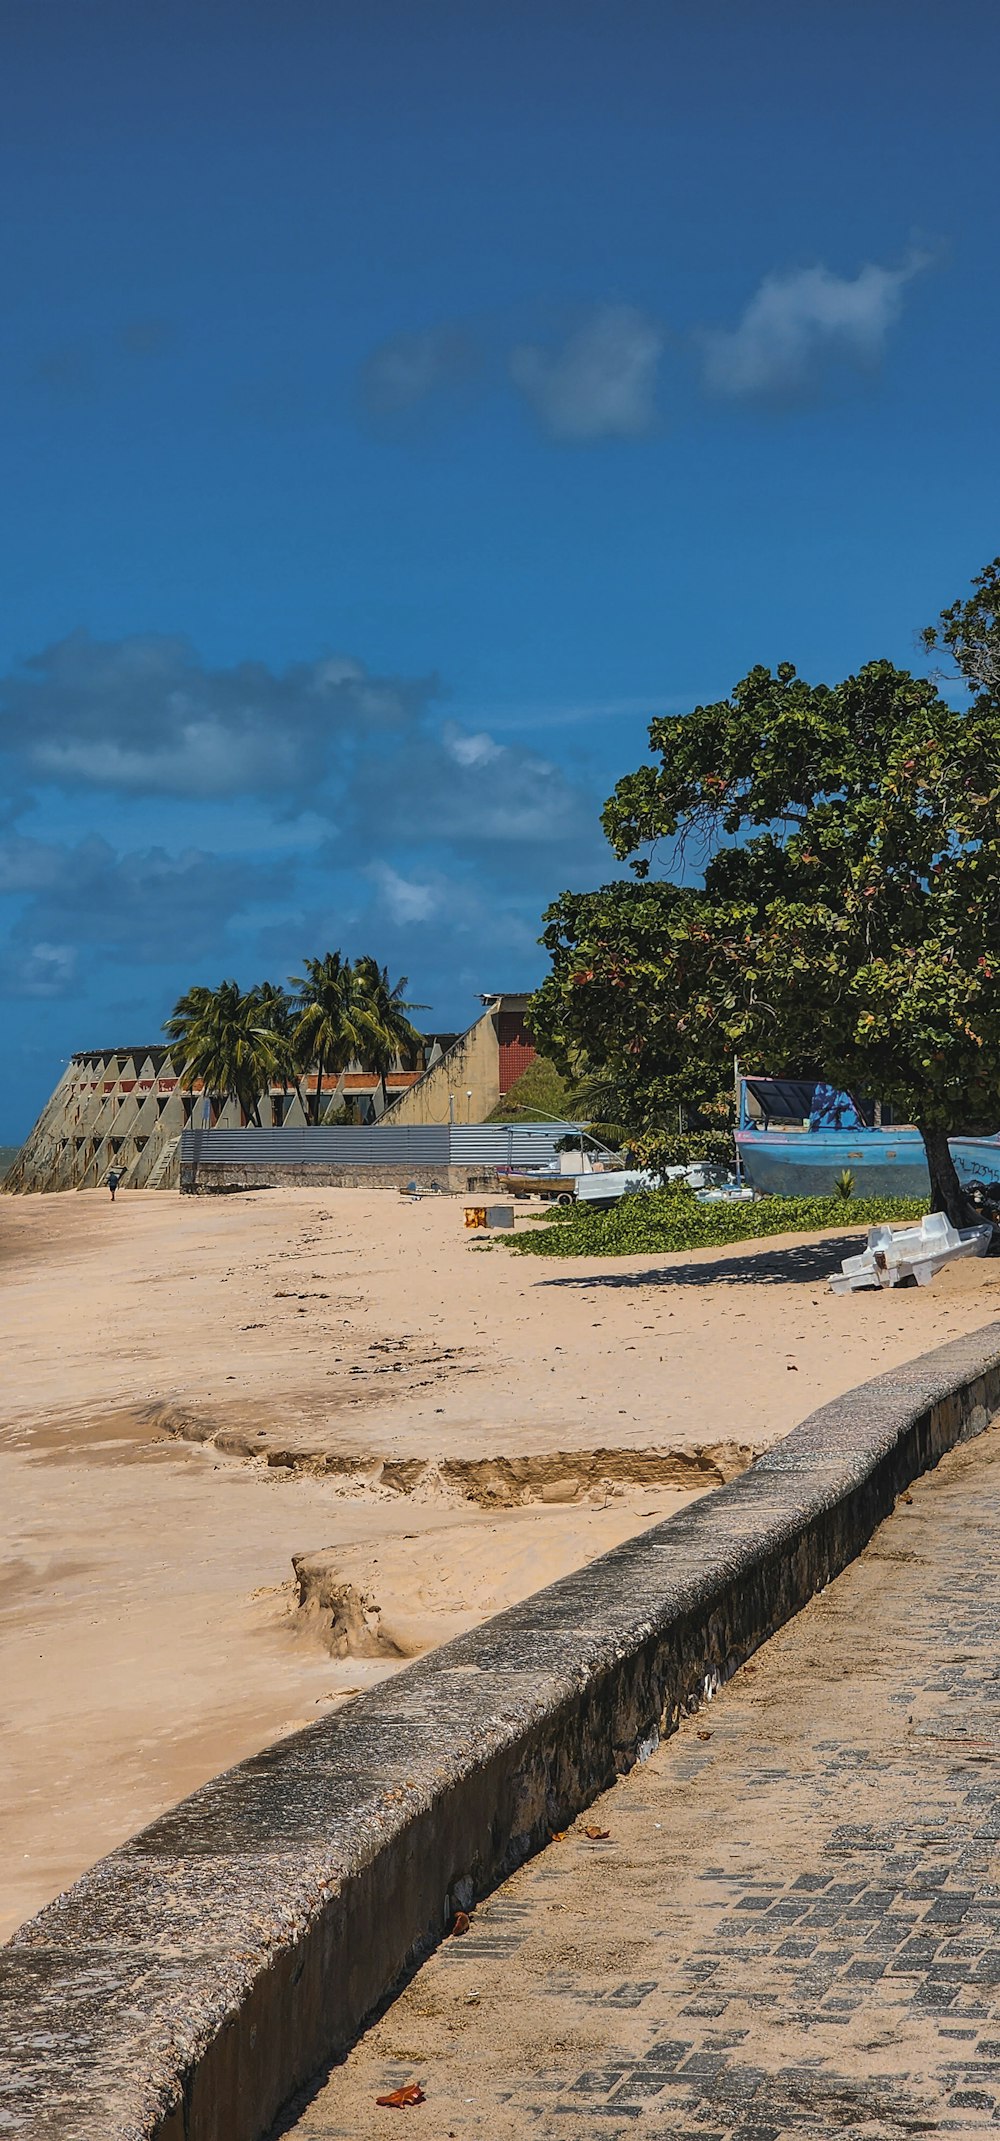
538	1095
676	1148
667	1220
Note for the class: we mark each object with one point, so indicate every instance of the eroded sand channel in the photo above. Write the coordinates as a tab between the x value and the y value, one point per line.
433	1431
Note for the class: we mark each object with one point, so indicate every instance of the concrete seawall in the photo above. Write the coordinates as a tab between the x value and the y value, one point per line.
223	1178
192	1980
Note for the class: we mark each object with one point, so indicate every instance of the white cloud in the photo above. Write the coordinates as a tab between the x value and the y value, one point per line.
795	323
38	970
471	793
29	865
601	384
468	750
143	715
142	903
403	899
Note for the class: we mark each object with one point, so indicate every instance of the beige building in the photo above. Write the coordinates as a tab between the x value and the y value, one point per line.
474	1075
123	1109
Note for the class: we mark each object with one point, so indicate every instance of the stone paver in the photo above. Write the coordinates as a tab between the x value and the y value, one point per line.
792	1927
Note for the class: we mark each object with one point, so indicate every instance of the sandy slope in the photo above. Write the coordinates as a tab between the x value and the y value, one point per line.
438	1430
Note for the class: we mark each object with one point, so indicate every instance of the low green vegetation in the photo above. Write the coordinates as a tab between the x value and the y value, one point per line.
679	1148
667	1220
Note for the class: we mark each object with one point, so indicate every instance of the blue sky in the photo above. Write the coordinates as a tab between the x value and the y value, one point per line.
401	404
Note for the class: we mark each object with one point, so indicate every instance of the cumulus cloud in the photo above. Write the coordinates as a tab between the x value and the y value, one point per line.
145	716
475	794
29	865
140	906
403	372
344	808
797	323
601	384
39	970
403	899
469	750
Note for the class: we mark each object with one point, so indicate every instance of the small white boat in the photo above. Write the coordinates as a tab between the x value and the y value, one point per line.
709	1183
607	1188
892	1257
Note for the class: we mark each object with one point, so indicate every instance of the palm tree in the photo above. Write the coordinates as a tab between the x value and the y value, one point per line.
389	1033
277	1013
331	1029
222	1044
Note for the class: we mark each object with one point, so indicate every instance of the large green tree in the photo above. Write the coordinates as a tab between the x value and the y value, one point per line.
846	843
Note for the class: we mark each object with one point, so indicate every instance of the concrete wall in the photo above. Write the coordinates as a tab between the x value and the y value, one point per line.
385	1155
125	1109
472	1065
192	1980
208	1178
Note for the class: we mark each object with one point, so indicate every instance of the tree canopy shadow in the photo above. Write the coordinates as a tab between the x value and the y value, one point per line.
803	1265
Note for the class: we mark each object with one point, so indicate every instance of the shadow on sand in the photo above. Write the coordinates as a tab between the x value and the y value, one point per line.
804	1265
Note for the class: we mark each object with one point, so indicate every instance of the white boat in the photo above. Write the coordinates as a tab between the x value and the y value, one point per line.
709	1183
894	1257
607	1188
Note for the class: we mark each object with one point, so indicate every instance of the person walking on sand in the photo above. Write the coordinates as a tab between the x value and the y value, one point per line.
113	1180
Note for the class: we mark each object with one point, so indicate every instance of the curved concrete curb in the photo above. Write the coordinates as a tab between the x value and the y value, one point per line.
195	1978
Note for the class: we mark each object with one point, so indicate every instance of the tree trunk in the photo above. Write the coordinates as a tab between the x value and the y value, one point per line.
320	1067
947	1194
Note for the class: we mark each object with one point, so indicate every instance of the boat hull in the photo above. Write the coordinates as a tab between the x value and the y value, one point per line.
884	1163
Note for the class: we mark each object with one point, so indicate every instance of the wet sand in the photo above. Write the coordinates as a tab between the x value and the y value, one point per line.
197	1390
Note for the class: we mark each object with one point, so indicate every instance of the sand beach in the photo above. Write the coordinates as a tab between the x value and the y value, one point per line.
257	1451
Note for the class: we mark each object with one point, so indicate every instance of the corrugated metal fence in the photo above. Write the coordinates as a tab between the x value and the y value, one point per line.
411	1145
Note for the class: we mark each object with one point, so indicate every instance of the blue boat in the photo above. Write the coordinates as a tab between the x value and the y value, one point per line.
795	1136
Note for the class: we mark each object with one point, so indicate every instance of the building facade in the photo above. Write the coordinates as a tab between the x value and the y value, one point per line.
472	1077
123	1109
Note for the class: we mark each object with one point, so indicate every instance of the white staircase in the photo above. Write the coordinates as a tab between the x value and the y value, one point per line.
161	1164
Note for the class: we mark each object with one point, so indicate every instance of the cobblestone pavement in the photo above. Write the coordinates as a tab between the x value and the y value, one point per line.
791	1928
